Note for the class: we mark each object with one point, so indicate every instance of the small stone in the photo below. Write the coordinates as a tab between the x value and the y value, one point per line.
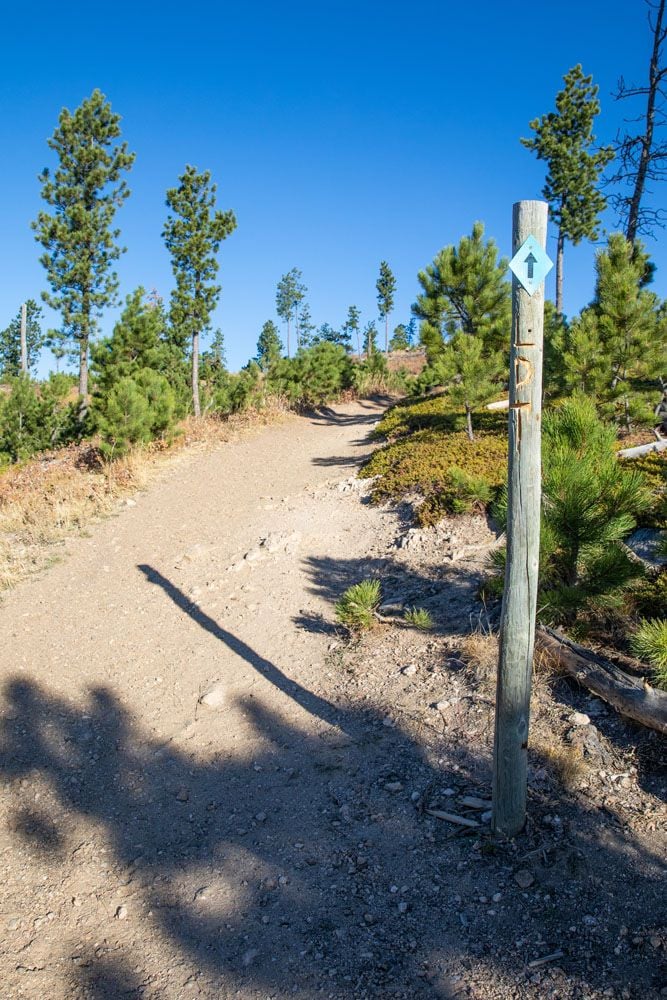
524	878
270	884
579	719
410	670
655	942
202	894
442	705
249	956
130	503
394	786
76	901
402	907
389	722
369	918
121	913
415	797
183	794
486	816
260	817
13	924
215	697
497	896
589	920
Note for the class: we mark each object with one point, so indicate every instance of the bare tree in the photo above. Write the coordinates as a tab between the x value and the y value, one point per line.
641	158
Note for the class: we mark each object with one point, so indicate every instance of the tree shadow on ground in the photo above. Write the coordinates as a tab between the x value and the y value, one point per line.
311	867
327	415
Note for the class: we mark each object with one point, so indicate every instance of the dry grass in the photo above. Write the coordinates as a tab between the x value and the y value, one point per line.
479	651
565	762
51	497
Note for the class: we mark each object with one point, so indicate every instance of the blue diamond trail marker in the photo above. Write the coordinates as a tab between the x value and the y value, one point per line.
531	264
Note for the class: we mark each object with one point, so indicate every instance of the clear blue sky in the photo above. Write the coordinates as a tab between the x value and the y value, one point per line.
340	133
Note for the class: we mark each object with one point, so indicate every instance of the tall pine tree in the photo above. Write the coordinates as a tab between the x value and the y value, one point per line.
193	234
289	293
386	288
564	140
77	235
352	326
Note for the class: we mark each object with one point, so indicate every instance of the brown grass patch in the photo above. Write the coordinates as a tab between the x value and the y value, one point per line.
565	762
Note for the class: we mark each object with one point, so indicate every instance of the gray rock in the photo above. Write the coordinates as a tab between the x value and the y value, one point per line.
579	719
645	544
121	913
215	697
410	670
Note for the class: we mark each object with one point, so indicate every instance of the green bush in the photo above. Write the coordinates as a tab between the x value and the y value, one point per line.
314	376
35	417
420	618
356	608
590	502
450	472
134	411
649	643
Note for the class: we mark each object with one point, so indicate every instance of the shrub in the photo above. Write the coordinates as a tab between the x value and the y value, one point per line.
134	411
649	643
420	618
356	608
449	471
590	502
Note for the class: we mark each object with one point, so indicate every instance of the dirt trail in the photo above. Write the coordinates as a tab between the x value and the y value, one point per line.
273	843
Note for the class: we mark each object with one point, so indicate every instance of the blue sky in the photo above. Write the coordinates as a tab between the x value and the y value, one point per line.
340	133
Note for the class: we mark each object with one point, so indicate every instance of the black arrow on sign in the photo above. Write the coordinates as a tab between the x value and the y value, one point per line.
531	261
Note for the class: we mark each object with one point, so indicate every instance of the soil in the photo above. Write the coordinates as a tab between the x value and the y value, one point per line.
211	790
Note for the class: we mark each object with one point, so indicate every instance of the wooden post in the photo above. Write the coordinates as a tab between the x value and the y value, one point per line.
24	339
517	630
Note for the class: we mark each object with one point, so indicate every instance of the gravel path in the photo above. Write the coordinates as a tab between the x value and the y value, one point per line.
208	794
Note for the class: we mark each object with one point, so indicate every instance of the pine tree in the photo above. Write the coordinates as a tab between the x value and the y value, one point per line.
370	338
269	346
352	326
633	341
386	288
193	235
289	293
326	333
466	289
563	139
137	341
78	238
400	340
305	327
471	371
10	341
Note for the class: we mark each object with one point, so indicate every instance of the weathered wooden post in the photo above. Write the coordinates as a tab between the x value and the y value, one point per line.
530	264
24	341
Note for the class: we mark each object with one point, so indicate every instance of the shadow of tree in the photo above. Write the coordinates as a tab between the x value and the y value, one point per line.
311	867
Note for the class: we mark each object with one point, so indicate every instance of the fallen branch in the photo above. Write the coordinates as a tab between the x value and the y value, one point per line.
535	964
451	817
631	696
643	449
502	404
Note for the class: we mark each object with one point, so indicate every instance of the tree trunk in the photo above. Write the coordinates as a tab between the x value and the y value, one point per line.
24	338
195	375
386	333
359	343
471	436
647	139
559	272
83	379
288	338
631	696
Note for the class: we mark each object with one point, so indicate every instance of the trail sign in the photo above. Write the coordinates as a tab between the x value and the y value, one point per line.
517	623
531	265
